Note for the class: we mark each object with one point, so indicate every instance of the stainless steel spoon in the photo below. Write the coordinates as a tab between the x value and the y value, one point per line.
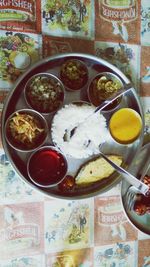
142	188
70	132
133	194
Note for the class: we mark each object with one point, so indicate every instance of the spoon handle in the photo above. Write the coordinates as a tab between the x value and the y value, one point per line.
112	98
107	102
119	93
143	188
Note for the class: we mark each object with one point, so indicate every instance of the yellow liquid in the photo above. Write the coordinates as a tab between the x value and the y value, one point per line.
125	125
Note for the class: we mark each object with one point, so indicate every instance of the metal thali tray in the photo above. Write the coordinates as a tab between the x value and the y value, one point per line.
141	222
16	101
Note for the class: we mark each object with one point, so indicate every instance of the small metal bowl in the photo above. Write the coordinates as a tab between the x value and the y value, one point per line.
125	126
74	74
103	86
44	92
26	130
47	166
140	222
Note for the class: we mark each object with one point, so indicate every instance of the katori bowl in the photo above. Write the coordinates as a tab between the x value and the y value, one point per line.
139	215
47	166
103	86
44	92
74	74
26	130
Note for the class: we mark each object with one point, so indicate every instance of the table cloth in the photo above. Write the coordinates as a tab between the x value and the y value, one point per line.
38	231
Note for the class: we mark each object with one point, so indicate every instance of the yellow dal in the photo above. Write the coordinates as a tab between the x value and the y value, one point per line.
125	125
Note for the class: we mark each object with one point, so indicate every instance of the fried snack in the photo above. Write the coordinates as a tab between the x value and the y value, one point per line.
96	170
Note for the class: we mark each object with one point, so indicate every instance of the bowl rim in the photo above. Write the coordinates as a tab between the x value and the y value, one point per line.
51	76
35	114
83	64
124	188
136	114
100	74
34	67
47	147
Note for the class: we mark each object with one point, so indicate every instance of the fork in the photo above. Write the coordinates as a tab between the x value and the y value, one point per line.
137	186
133	194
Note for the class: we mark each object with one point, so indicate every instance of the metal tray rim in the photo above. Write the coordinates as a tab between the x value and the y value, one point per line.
46	60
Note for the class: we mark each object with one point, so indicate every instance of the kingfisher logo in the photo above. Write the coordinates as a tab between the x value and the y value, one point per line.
21	232
17	10
122	10
110	218
22	5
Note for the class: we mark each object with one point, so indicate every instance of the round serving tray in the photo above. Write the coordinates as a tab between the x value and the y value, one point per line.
16	101
141	222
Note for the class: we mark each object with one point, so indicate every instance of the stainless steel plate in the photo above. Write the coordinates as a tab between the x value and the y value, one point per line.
141	222
15	101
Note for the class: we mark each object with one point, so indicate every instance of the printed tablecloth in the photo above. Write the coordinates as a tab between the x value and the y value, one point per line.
37	231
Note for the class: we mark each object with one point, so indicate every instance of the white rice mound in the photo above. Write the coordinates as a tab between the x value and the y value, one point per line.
87	136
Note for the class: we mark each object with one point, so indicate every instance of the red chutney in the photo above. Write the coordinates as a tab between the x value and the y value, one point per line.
47	167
